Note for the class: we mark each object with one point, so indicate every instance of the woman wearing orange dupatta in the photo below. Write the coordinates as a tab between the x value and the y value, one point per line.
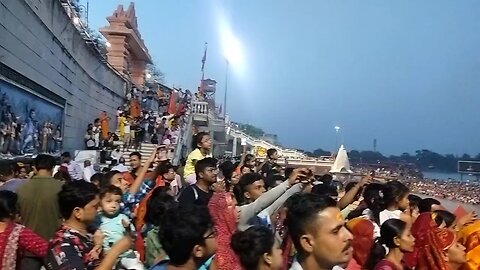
470	238
104	122
135	108
363	239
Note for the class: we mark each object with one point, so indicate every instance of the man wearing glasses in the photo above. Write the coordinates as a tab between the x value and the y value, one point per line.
200	193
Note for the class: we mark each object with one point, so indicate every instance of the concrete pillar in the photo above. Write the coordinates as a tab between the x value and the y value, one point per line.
234	148
137	71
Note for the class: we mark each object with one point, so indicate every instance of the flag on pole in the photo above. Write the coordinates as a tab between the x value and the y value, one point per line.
204	59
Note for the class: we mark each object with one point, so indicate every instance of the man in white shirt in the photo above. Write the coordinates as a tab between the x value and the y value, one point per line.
96	132
74	169
126	136
116	154
121	166
88	170
318	231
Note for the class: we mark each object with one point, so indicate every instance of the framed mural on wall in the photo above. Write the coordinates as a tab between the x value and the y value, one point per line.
30	123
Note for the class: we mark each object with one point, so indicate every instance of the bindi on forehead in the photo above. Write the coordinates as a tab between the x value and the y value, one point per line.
331	216
339	217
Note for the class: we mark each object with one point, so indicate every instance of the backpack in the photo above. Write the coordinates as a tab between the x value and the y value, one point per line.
162	265
195	192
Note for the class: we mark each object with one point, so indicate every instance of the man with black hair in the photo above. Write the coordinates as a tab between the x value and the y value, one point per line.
73	247
325	190
270	165
74	168
120	166
327	179
7	177
38	204
200	193
135	163
251	187
288	171
96	130
429	205
166	173
20	171
188	237
318	232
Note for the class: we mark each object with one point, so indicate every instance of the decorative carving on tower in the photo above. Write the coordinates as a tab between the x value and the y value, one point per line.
127	52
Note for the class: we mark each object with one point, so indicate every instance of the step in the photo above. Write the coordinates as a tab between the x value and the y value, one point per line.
145	151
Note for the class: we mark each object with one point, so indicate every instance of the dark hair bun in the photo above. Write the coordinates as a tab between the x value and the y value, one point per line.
241	242
250	245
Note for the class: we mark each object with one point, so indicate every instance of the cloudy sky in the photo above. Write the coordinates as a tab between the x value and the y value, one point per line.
406	73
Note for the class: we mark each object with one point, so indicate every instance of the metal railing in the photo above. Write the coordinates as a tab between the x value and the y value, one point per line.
200	107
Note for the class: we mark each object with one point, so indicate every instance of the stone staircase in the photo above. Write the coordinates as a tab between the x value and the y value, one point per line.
146	150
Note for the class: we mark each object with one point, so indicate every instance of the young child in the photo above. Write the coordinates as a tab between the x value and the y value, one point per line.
73	247
115	225
202	143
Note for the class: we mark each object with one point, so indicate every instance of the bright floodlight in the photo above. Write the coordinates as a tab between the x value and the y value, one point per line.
232	47
149	75
337	128
108	44
76	20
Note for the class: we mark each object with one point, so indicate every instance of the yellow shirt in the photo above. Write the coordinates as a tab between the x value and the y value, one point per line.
192	159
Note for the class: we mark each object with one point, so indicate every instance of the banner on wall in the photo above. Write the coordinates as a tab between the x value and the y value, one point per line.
29	124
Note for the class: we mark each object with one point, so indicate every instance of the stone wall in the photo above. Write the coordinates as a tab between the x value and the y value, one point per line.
39	41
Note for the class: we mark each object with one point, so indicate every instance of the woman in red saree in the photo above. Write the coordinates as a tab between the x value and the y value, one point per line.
223	208
16	239
435	248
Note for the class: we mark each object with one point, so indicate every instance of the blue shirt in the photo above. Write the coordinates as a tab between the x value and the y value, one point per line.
13	184
112	228
160	266
163	265
130	201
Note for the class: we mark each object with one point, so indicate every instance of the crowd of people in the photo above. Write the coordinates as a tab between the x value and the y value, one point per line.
135	122
465	192
224	215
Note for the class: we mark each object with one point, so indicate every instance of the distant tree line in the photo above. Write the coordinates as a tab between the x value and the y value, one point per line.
251	130
424	159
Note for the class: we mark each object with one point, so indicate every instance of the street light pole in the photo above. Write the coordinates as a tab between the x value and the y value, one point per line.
88	9
226	90
337	129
